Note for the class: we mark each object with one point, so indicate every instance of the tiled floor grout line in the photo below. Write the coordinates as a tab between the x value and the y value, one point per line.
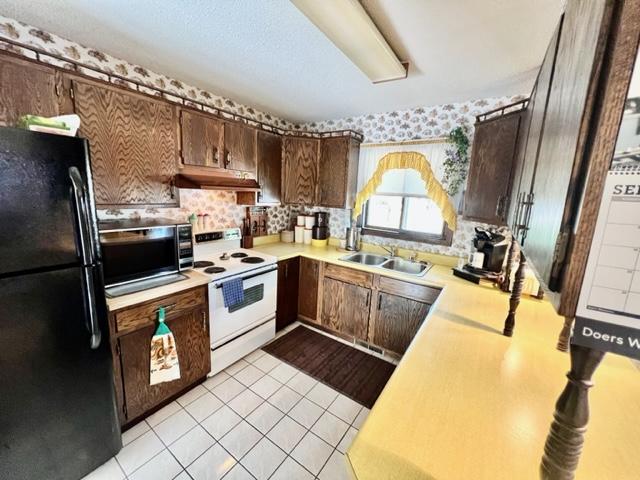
245	419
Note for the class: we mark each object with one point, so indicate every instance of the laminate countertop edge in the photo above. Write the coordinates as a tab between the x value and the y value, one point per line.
467	402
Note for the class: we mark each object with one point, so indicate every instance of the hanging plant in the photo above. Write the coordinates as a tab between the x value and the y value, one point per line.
456	163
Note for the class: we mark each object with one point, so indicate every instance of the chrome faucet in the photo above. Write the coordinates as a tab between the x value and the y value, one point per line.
391	249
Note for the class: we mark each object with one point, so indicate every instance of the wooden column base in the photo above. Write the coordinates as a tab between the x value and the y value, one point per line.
566	437
565	335
516	294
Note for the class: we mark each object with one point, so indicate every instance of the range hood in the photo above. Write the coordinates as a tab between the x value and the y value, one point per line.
225	180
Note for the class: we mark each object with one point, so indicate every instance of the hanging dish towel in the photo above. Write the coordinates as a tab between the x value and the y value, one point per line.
164	354
232	292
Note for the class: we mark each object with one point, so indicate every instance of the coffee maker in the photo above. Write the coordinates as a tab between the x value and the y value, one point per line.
493	245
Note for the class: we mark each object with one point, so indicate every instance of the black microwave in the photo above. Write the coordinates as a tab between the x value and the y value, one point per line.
134	250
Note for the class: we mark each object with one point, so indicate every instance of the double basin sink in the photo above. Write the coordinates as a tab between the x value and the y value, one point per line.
389	263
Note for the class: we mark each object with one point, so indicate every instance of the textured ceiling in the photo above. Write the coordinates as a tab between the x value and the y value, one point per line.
265	53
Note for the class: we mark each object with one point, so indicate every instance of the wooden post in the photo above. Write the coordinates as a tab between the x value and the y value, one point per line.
565	335
507	274
566	436
516	293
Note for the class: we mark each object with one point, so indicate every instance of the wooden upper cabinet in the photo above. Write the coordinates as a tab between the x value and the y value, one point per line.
300	170
492	159
338	170
133	141
26	88
240	148
559	167
396	321
269	156
308	289
345	308
201	140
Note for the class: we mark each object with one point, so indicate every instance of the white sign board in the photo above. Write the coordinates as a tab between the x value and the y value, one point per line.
608	314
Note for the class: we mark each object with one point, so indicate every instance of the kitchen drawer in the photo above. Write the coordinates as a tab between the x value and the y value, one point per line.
348	275
421	293
145	314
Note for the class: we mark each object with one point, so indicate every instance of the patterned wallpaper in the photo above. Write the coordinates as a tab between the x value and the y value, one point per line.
16	31
417	123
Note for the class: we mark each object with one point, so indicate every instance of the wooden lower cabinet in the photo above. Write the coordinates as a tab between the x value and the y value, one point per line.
287	302
308	288
345	307
190	327
396	321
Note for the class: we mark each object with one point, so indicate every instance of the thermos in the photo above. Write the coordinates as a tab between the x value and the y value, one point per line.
353	239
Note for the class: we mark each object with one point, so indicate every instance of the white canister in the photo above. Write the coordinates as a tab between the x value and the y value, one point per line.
477	259
308	236
286	236
309	221
300	220
299	234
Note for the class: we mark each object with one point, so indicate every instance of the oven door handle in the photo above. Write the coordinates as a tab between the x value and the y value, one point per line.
252	276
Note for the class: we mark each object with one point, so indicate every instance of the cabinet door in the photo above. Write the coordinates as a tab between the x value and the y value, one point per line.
345	308
269	153
191	332
201	140
333	172
133	141
558	174
492	157
308	289
396	322
300	163
25	88
287	305
240	148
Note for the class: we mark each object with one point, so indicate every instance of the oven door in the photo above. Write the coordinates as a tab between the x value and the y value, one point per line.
260	293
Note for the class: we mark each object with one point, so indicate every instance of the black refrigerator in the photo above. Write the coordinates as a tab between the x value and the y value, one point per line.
58	417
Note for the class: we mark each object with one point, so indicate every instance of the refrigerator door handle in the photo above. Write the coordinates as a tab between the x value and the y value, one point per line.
90	307
83	225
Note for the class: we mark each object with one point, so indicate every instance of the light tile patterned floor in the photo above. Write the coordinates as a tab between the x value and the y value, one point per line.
259	419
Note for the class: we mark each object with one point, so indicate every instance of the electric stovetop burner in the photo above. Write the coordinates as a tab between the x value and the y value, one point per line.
202	264
215	270
239	255
252	260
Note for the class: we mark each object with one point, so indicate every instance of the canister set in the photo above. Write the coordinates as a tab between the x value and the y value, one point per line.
312	229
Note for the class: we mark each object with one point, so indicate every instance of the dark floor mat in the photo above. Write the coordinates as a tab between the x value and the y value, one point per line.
356	374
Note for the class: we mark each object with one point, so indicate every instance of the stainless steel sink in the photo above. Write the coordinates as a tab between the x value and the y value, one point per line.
366	259
405	266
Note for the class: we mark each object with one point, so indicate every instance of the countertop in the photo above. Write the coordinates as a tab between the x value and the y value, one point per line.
194	279
465	402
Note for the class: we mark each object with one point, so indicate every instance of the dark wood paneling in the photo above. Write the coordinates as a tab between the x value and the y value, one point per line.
397	320
333	168
348	275
201	139
492	159
26	88
269	151
580	51
133	144
240	148
355	374
308	290
287	303
191	332
145	314
604	131
300	170
345	307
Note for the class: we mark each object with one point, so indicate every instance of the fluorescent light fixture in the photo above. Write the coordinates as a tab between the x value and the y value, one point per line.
347	25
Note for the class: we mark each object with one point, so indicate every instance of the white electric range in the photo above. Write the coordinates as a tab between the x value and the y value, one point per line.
238	330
